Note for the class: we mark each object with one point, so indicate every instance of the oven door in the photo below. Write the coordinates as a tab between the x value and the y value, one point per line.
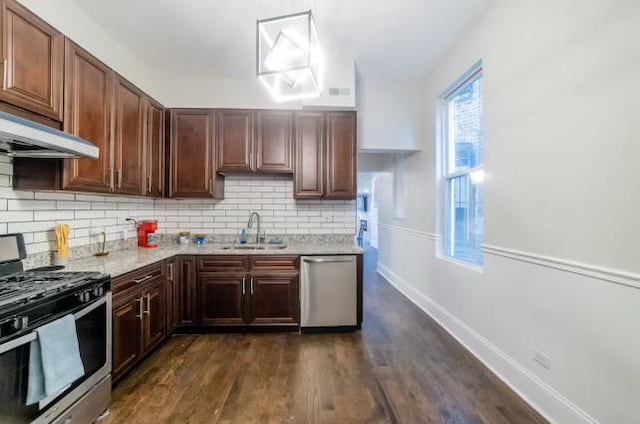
93	324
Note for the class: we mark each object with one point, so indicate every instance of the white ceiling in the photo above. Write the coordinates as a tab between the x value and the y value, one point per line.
400	38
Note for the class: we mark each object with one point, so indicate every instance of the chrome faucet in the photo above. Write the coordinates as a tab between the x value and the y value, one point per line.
249	225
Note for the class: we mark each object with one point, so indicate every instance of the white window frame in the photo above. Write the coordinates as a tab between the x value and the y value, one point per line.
446	162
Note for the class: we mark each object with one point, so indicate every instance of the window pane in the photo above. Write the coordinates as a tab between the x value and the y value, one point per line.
465	219
466	132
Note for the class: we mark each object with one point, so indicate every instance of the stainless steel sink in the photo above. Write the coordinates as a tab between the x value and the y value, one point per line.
255	247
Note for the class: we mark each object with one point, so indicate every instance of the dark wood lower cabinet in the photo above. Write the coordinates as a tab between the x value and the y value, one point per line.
194	293
126	334
274	299
222	299
138	318
154	317
171	291
185	301
240	291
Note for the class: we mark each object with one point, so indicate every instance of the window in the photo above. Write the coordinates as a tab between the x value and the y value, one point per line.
462	149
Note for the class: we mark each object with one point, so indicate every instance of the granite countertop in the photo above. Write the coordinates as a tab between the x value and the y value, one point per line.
123	261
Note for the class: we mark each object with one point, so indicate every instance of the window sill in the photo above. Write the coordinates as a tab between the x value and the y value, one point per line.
475	268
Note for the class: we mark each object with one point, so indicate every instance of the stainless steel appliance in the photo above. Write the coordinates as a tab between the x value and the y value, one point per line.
29	299
21	137
329	290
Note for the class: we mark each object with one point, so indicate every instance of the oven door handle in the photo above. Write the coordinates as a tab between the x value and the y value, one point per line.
28	338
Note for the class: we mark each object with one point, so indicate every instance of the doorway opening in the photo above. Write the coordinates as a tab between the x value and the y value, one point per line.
367	209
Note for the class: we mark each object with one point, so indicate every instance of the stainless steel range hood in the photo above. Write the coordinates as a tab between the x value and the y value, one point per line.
22	138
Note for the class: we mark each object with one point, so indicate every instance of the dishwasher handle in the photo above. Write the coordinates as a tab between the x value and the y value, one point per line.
329	260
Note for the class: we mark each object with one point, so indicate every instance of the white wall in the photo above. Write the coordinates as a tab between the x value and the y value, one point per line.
389	115
562	271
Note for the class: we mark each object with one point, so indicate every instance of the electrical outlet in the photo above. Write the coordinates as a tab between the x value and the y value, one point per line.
542	359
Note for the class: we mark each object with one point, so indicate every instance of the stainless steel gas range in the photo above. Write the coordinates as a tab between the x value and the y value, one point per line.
31	299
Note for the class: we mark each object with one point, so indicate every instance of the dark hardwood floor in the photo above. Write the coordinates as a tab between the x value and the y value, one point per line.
401	368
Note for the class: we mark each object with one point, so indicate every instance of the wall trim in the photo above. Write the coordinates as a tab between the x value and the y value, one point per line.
616	276
411	231
558	409
601	273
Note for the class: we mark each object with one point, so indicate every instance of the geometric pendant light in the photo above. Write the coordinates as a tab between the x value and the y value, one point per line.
289	56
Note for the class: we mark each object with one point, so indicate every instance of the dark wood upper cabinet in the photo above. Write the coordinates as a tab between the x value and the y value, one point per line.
193	154
341	169
235	141
88	88
274	299
154	149
129	163
222	298
274	143
309	155
33	61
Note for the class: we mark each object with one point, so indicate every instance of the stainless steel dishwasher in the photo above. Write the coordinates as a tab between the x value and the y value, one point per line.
328	294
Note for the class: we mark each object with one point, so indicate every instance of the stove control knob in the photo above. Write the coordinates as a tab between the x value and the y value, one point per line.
83	297
19	323
98	291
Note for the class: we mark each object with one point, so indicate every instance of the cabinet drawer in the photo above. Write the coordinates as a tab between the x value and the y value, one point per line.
274	263
222	263
137	277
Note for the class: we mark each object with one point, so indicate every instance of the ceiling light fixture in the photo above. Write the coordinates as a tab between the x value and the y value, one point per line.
289	57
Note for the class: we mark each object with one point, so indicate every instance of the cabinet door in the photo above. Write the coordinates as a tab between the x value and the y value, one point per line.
129	142
192	153
341	156
309	163
274	299
186	293
235	140
127	325
222	298
154	140
88	105
274	143
33	54
172	310
154	314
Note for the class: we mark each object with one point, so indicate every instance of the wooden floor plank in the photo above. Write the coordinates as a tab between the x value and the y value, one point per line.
401	368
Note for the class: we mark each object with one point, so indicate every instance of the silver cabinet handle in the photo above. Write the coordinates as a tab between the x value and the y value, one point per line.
171	276
329	260
243	281
251	286
143	279
139	300
148	310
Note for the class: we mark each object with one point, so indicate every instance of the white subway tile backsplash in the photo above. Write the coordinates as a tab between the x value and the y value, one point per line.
52	215
71	205
16	216
89	214
30	205
35	214
54	196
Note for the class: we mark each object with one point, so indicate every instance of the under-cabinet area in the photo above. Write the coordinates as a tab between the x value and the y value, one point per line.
212	293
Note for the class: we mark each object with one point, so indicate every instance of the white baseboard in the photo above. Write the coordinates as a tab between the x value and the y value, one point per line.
543	398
